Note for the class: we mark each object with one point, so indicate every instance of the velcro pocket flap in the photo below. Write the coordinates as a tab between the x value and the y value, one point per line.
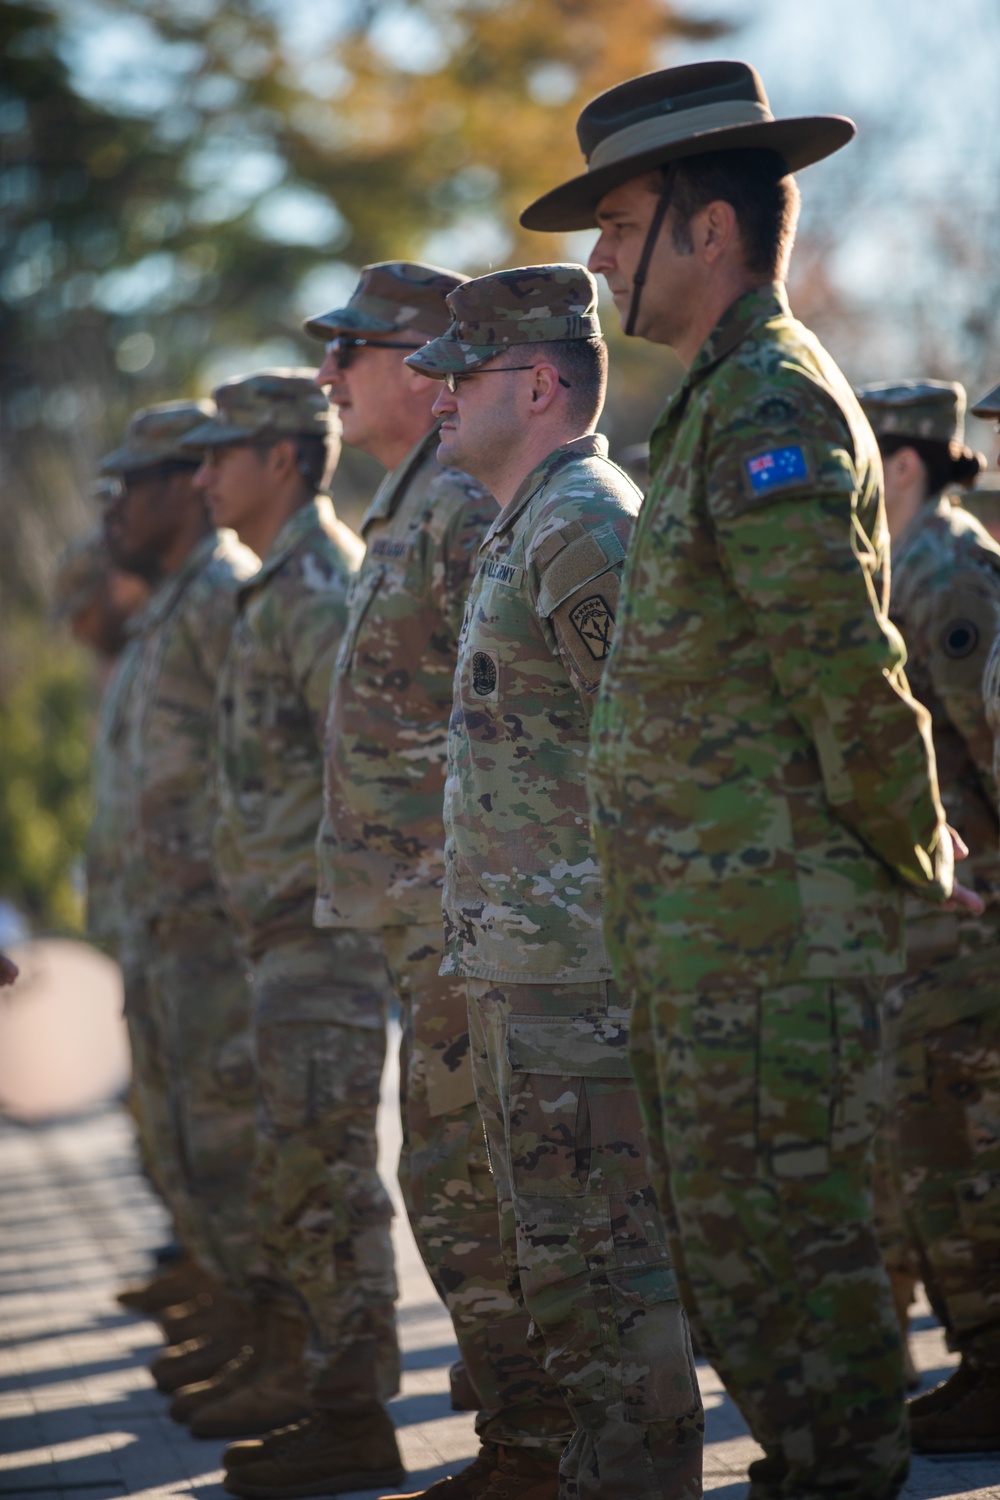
578	563
571	1047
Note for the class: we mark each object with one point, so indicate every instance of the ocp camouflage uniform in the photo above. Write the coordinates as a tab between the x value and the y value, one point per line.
944	1019
197	984
322	1214
381	866
763	788
582	1236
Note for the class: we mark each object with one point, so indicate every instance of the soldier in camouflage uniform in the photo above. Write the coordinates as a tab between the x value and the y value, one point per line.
381	843
763	785
943	1028
322	1215
524	367
178	934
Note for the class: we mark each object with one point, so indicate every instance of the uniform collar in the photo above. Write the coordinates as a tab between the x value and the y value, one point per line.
740	319
317	512
592	445
165	599
395	484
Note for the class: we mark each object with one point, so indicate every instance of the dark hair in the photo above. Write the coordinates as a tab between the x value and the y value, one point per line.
316	457
583	364
762	192
164	470
944	463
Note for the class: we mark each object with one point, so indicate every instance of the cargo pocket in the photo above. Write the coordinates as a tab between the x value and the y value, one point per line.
655	1349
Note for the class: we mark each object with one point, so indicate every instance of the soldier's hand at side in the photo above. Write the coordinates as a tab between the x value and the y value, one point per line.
8	970
962	899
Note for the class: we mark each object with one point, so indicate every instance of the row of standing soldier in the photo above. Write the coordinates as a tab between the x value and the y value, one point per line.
662	1000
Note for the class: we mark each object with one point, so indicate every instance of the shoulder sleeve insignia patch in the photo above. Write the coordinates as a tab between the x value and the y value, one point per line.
777	469
776	410
594	622
485	674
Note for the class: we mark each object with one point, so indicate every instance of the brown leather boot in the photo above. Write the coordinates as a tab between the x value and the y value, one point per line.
183	1280
275	1391
200	1393
194	1360
465	1485
966	1415
206	1316
328	1453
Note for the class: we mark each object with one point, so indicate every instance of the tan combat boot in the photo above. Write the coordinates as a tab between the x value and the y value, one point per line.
273	1391
464	1396
961	1416
184	1280
497	1473
194	1360
204	1316
200	1393
328	1453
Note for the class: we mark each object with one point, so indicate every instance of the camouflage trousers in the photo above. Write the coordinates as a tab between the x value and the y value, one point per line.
321	1212
583	1239
944	1050
451	1201
761	1108
199	1006
149	1097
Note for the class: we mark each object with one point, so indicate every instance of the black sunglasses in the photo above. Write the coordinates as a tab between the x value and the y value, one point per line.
342	348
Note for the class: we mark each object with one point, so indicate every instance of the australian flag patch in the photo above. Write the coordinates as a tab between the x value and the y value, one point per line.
776	469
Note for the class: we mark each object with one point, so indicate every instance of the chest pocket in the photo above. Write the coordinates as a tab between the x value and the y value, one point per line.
363	592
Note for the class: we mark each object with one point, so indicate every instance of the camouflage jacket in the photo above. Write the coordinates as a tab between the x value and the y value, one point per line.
522	898
108	834
381	844
754	716
946	602
272	704
184	635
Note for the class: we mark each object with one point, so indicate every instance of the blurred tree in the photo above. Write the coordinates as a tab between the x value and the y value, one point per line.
179	185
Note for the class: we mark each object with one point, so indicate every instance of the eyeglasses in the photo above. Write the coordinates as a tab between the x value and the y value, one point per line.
453	378
342	348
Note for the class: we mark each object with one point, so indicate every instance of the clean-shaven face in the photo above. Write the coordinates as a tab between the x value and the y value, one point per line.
481	428
235	483
624	216
367	392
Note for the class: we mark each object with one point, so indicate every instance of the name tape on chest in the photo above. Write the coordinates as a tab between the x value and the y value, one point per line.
390	548
503	572
780	468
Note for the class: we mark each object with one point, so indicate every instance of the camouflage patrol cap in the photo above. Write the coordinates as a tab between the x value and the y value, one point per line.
930	409
153	436
265	406
391	297
82	572
988	405
529	305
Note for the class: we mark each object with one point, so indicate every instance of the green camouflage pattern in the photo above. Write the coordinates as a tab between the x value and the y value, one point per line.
451	1201
380	849
199	1004
582	1236
322	1214
763	783
930	409
944	1053
760	1109
392	296
522	897
272	703
945	601
530	305
153	436
108	834
265	407
202	1033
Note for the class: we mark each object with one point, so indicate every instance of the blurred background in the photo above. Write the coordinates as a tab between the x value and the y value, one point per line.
182	181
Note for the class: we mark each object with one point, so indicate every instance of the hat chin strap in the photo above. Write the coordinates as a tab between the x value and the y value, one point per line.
652	235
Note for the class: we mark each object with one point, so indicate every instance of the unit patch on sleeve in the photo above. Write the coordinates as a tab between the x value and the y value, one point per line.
776	470
485	674
594	622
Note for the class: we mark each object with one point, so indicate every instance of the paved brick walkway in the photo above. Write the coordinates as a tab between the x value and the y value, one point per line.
79	1416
